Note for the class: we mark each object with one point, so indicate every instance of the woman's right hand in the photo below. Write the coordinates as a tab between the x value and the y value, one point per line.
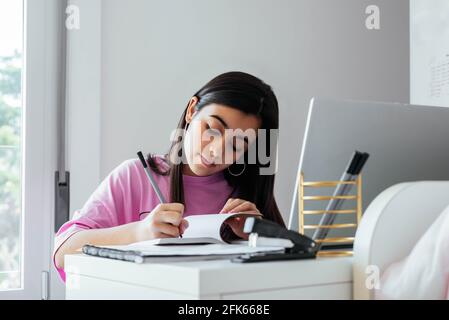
165	221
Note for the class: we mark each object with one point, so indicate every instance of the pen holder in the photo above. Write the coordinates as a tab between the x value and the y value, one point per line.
357	211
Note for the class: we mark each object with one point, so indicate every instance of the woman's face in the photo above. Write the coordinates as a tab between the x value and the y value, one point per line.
217	137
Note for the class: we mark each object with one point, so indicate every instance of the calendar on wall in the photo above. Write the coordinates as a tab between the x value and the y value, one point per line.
429	52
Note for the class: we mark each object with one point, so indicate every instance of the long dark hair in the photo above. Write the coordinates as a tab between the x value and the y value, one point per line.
250	95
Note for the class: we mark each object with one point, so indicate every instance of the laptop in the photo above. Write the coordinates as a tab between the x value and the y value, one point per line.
405	142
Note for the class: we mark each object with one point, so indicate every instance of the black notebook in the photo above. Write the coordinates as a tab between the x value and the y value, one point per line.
145	251
140	257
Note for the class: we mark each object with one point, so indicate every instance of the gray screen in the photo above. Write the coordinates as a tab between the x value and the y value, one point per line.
405	143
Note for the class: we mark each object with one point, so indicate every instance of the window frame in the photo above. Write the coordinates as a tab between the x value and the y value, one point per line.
39	74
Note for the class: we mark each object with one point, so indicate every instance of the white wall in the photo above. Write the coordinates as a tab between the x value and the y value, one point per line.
155	54
84	102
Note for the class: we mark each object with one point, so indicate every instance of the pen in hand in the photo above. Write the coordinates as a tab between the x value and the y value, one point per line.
152	181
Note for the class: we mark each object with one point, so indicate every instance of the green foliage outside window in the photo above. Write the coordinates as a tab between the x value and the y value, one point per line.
10	170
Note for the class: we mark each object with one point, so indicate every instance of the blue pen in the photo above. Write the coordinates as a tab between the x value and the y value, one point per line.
153	183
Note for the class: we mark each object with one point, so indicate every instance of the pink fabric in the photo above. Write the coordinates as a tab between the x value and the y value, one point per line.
424	273
126	192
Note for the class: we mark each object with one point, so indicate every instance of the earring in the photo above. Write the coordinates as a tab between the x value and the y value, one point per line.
236	175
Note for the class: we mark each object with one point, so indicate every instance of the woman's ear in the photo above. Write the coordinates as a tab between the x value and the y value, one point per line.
191	109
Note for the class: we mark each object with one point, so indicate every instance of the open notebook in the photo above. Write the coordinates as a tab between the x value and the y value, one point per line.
202	240
203	228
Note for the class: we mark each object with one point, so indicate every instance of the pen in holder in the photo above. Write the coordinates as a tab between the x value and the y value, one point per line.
356	211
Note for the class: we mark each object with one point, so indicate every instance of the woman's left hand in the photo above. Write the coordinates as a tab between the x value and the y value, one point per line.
236	223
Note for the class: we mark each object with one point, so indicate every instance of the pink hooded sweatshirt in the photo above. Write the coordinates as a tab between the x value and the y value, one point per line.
126	192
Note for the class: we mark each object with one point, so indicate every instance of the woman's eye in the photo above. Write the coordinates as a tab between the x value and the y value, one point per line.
212	130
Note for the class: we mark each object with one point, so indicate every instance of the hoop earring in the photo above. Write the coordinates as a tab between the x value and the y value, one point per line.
236	175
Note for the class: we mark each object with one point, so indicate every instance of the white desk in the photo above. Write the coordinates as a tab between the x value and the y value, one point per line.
99	278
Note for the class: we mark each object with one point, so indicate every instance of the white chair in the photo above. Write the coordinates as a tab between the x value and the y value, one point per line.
392	225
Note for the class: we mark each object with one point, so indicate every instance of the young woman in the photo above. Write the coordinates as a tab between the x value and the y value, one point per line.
194	175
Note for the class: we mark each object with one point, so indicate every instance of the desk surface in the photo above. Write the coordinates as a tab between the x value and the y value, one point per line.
209	278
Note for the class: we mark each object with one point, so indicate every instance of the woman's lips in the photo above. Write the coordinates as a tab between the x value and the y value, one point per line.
206	163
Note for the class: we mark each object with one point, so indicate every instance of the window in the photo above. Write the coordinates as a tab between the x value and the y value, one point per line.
11	63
